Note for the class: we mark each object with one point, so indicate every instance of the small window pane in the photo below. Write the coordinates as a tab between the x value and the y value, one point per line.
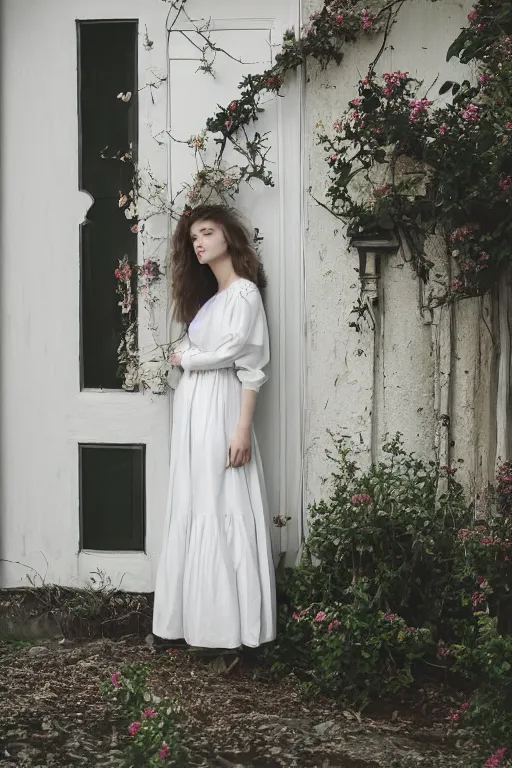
112	497
107	66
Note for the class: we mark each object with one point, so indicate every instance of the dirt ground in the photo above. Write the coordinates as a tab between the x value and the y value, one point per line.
52	714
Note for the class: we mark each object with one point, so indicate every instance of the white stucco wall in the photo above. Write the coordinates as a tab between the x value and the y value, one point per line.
341	394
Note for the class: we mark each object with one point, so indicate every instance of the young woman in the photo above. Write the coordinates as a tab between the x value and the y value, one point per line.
215	581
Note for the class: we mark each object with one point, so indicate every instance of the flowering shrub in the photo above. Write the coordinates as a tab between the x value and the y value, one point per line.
351	649
395	575
153	736
464	147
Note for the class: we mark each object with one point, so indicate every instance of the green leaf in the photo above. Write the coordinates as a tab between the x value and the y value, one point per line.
446	87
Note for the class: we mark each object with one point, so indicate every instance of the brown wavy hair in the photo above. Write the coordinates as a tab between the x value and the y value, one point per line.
194	283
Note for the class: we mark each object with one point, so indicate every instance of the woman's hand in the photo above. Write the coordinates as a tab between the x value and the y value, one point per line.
175	359
240	448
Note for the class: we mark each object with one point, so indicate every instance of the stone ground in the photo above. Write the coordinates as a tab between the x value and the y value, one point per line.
52	714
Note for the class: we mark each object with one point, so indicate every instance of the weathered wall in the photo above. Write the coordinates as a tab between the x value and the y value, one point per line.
369	385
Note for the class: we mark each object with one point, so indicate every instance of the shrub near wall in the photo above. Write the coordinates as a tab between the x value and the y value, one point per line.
395	575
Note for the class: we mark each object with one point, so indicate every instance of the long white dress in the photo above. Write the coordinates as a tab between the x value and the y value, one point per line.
215	583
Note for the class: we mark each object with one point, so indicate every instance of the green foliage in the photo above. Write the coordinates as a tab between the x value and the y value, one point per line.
396	576
152	723
462	148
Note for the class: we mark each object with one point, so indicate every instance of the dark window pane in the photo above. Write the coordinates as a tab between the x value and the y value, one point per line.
107	66
112	497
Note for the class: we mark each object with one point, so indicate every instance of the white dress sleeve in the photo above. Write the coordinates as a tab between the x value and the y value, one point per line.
246	346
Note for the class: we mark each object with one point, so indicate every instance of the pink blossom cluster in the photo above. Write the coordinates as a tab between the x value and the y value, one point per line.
455	714
124	273
473	16
134	728
496	760
391	617
477	598
333	626
443	129
456	284
149	714
471	114
362	498
393	80
419	109
505	184
297	616
116	680
460	235
338	126
367	21
165	752
321	616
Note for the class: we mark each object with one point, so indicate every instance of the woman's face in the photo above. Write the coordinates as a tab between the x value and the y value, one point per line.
208	241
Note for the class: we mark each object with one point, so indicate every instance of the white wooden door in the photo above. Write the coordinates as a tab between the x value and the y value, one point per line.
250	34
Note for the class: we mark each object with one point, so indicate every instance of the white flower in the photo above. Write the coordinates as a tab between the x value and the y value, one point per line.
125	96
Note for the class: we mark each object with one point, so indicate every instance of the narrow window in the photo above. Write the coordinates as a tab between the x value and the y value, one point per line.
108	126
112	497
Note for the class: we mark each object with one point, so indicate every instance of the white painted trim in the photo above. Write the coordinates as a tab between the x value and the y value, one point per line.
291	314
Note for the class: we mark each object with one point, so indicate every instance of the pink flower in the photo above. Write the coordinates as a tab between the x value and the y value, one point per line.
456	284
165	752
393	80
338	126
454	717
443	130
473	16
477	598
334	625
340	19
134	229
496	760
463	533
481	27
304	612
367	21
486	541
508	126
483	256
228	124
233	106
505	184
391	617
418	109
482	581
465	706
116	680
443	652
362	498
356	102
484	79
123	200
149	714
333	160
460	234
134	728
471	114
296	616
321	616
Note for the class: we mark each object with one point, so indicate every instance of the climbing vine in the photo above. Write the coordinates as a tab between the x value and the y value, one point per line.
460	147
323	39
